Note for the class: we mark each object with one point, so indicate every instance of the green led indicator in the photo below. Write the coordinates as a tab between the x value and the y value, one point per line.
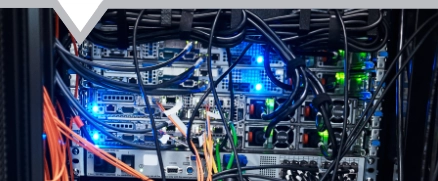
363	55
341	53
270	102
324	136
340	76
272	132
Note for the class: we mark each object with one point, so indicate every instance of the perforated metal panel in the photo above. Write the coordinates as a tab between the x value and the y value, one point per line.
268	160
254	77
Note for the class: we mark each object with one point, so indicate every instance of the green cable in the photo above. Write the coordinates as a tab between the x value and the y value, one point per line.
218	159
234	134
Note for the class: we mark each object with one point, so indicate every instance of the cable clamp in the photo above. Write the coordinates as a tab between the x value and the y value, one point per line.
294	64
304	27
166	17
185	24
122	30
320	99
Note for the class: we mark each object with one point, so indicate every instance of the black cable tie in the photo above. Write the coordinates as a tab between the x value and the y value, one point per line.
294	64
334	30
185	24
166	17
321	99
373	16
122	30
304	21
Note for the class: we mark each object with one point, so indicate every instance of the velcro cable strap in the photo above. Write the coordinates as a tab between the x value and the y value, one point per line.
122	30
304	21
166	17
235	18
294	64
185	24
321	99
373	16
334	29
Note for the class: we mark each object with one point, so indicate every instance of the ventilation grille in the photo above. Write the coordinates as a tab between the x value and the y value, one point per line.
252	77
268	160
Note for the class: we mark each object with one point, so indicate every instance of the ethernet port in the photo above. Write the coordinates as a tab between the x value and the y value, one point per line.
102	166
256	136
215	56
170	100
171	128
129	160
110	108
310	138
132	81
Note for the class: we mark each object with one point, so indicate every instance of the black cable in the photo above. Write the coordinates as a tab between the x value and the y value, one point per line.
84	72
286	104
73	101
230	85
202	99
185	50
290	167
346	80
216	97
270	74
247	175
290	109
146	100
359	127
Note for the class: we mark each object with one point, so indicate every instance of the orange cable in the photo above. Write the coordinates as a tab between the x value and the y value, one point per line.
199	168
53	122
70	159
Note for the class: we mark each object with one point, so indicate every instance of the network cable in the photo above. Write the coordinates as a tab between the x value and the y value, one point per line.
146	100
347	77
362	123
216	97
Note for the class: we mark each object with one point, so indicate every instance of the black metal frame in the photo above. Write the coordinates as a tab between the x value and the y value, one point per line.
417	125
27	41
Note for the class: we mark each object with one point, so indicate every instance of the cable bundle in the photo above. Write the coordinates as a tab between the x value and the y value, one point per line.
230	33
278	35
54	130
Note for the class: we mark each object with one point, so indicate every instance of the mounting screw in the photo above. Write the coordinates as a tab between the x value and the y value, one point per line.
291	147
75	151
76	171
370	161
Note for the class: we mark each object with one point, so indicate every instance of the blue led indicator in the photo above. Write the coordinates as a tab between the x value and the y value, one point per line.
44	136
258	87
95	108
259	59
95	136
